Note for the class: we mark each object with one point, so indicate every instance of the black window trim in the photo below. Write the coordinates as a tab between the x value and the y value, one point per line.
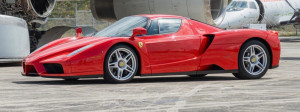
149	25
159	27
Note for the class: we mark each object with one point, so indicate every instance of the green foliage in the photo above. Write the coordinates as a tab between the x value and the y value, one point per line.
66	9
285	30
84	5
63	10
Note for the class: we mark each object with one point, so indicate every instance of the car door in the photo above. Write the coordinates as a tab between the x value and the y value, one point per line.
172	46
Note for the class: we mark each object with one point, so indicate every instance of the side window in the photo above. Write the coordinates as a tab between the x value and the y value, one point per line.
252	5
153	29
169	25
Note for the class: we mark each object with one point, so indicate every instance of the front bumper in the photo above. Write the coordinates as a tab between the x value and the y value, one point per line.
55	68
73	76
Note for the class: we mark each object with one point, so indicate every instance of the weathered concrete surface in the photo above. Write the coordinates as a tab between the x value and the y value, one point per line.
278	91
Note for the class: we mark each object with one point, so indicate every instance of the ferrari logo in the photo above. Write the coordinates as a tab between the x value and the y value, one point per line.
141	44
122	64
253	60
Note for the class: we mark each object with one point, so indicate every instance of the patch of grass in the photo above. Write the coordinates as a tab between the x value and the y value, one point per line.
285	30
288	34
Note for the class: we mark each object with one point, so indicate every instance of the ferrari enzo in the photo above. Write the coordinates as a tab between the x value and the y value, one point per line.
146	45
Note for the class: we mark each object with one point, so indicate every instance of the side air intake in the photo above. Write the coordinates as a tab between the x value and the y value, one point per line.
52	68
206	41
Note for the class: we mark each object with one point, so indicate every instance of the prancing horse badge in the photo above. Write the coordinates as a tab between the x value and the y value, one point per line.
141	44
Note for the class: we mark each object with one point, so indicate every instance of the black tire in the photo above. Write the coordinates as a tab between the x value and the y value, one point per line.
108	76
242	72
71	79
198	75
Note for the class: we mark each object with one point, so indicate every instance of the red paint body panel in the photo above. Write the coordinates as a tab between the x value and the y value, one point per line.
275	46
189	49
167	51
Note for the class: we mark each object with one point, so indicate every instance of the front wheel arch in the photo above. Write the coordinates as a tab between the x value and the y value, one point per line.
265	43
135	50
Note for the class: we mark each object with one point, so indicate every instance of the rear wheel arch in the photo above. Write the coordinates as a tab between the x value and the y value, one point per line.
253	60
135	50
265	43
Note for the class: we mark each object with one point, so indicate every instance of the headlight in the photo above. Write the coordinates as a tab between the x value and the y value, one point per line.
80	49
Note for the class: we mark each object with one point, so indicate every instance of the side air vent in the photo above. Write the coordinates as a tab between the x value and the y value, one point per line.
210	37
206	41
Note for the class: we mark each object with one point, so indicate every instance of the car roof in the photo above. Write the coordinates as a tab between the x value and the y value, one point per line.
154	16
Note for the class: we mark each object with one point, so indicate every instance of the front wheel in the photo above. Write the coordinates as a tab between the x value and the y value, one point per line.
121	64
254	60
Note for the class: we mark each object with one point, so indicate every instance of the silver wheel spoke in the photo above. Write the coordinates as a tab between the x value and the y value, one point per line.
251	68
247	59
127	58
118	54
252	50
260	55
113	65
120	73
129	69
260	66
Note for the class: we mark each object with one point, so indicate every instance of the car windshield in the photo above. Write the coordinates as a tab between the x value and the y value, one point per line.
123	27
237	6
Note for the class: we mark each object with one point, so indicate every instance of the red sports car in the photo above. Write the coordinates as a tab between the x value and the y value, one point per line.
157	45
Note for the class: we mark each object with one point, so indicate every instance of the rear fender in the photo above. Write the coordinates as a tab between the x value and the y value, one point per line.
238	36
223	50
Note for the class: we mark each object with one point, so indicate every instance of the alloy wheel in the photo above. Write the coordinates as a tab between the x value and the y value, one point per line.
255	60
122	64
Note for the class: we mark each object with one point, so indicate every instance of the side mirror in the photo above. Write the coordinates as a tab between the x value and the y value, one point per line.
138	31
78	31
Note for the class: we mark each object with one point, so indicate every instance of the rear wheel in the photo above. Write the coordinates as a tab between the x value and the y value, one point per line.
121	64
198	75
254	60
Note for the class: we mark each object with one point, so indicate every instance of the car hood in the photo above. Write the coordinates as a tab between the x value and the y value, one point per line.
67	47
